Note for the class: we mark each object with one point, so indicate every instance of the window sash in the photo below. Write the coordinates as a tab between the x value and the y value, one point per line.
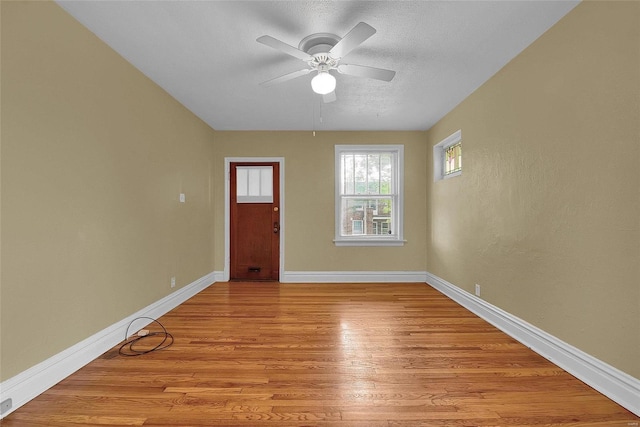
368	172
358	208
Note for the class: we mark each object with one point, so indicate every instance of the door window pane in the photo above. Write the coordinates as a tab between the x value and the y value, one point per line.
254	184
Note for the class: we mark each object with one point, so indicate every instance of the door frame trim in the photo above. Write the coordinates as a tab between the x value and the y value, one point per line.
227	209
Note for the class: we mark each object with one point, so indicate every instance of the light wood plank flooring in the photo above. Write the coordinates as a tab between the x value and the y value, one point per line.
249	354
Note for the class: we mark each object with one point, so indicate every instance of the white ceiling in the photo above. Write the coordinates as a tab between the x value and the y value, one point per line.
205	54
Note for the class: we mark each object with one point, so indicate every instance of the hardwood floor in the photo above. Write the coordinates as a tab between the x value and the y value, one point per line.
248	354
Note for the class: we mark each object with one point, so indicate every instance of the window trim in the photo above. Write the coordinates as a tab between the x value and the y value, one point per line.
439	151
369	240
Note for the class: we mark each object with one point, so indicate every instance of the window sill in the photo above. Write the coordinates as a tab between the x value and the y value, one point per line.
451	175
369	242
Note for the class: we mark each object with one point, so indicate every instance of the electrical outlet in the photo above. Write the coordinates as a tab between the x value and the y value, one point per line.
173	282
183	198
5	406
477	290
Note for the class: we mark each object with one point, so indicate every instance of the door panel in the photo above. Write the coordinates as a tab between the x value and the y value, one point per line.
254	221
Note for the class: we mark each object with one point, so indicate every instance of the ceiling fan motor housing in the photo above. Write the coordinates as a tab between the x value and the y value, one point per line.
318	43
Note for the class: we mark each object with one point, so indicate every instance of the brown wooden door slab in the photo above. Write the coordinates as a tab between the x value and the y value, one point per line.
254	221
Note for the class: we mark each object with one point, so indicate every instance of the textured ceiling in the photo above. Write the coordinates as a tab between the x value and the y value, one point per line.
205	54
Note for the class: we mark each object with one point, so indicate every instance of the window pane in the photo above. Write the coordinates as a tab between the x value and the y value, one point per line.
367	216
386	172
347	174
373	174
254	184
266	181
241	181
360	174
453	159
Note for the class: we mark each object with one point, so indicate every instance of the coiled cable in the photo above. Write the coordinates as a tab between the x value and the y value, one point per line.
127	349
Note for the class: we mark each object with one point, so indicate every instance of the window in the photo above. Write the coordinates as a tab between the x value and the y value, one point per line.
254	184
369	195
453	159
447	157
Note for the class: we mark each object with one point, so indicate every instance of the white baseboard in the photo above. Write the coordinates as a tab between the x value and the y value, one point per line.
37	379
219	276
353	276
613	383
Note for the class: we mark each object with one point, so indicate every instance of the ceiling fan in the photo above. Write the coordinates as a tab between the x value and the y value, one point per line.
323	52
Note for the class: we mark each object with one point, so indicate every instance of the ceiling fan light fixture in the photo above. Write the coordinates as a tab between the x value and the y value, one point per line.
323	83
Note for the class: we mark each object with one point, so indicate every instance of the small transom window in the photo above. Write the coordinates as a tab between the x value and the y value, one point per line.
453	159
447	157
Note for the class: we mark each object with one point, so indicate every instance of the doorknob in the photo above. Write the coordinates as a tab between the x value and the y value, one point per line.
276	227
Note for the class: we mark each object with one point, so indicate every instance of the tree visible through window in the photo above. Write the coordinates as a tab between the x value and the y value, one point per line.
368	190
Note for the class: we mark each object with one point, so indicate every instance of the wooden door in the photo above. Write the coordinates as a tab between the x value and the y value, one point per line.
255	221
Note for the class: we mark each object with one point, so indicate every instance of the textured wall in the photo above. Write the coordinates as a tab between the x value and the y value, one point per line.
309	198
546	214
94	156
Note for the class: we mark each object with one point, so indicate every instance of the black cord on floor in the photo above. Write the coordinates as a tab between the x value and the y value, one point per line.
127	349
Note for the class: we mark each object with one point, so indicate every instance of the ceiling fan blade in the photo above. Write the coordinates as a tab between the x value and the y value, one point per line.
363	71
329	97
286	77
353	39
283	47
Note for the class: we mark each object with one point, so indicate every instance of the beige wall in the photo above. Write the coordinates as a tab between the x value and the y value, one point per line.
309	198
94	156
546	215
